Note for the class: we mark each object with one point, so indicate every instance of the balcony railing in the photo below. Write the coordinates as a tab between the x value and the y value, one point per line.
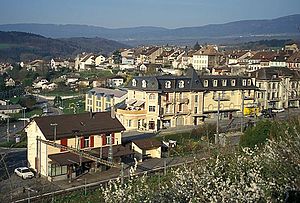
251	97
182	100
222	98
128	111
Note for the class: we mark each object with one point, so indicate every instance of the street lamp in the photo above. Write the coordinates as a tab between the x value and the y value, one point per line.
24	122
55	125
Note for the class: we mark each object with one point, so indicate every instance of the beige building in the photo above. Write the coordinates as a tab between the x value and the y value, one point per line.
146	148
101	99
86	137
157	102
206	57
279	87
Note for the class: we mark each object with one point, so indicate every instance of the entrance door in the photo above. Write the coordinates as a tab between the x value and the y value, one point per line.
151	125
179	121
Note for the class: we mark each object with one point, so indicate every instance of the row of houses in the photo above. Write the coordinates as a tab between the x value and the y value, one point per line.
156	102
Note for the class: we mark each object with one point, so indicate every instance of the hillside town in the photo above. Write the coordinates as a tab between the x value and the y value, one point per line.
101	114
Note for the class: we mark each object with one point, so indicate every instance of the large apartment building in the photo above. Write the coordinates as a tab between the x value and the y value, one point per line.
280	87
156	102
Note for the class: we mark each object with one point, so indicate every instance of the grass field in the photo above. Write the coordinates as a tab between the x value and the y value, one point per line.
96	73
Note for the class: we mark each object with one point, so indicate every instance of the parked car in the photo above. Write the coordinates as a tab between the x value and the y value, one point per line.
277	110
24	172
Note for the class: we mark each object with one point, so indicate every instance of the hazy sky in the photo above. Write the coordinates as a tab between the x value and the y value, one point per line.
130	13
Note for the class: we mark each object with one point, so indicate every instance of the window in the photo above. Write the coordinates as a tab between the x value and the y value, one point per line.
98	96
196	110
224	82
151	108
215	83
205	83
152	96
98	103
249	82
180	107
244	82
108	138
168	84
134	83
56	170
196	98
144	83
181	84
232	82
108	99
89	95
107	105
86	142
129	123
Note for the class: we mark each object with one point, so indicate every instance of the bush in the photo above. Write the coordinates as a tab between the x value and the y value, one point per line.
256	135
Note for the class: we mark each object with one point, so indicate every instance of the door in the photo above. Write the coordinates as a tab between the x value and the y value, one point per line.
151	125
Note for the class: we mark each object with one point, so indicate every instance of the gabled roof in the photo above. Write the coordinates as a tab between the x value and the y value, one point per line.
84	124
147	144
274	73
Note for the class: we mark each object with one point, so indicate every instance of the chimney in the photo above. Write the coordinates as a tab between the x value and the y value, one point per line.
112	107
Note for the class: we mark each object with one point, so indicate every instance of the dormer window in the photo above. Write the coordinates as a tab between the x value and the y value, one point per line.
244	82
205	83
168	84
181	84
144	83
134	83
249	82
232	82
224	82
215	83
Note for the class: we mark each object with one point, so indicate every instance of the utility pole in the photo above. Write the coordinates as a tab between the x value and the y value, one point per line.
242	118
7	127
218	120
24	122
110	150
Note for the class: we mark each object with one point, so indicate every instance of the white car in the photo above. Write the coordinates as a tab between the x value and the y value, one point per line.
24	172
277	110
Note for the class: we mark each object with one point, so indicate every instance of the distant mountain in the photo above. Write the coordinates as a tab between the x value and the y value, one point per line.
21	46
288	25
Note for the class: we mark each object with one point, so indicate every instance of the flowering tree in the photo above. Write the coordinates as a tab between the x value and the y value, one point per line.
251	175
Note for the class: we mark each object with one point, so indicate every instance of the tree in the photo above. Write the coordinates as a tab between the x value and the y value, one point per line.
58	101
28	102
117	57
197	46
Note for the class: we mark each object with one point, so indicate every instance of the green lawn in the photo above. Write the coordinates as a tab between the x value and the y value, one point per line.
96	73
27	114
70	104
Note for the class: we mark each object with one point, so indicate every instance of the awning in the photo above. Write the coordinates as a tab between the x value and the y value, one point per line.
118	151
139	103
67	159
130	101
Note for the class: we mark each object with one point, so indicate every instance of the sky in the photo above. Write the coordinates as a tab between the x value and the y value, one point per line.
132	13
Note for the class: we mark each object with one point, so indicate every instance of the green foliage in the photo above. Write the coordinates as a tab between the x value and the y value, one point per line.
256	135
117	57
28	102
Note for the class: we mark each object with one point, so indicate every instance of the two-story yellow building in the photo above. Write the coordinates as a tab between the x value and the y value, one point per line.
156	102
65	146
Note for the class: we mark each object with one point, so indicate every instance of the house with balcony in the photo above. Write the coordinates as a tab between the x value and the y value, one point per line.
156	102
66	146
279	87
